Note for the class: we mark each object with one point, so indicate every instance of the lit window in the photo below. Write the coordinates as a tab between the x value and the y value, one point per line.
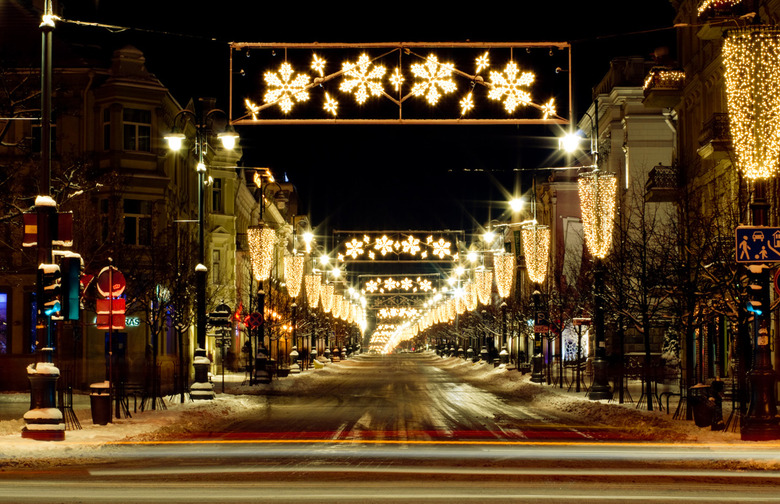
5	335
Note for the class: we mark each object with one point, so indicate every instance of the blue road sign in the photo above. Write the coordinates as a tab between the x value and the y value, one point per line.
757	244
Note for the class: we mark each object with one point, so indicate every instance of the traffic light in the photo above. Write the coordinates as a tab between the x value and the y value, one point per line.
49	290
757	290
71	286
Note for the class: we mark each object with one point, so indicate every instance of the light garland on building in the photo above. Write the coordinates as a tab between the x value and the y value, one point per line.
261	251
716	4
313	282
598	192
752	60
504	267
483	280
536	248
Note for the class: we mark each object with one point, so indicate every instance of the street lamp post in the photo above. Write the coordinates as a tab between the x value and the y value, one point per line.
204	124
752	61
597	193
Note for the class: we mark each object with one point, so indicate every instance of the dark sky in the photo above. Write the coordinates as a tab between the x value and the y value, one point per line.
382	177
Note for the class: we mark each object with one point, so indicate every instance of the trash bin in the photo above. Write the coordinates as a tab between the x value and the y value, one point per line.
100	402
698	401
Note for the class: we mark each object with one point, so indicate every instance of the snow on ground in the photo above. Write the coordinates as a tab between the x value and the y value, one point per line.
201	415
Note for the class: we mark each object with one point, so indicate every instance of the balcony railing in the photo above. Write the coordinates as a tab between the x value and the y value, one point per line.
715	138
718	15
662	184
663	87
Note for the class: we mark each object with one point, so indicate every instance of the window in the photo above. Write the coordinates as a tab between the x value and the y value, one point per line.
104	216
215	269
106	129
138	222
5	333
36	138
137	130
216	196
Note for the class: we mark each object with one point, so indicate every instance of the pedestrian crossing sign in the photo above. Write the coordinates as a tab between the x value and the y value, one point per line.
757	244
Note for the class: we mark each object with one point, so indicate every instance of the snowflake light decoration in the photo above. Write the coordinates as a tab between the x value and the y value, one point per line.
467	104
548	109
252	108
384	245
362	79
354	248
372	286
318	64
406	284
331	106
483	62
441	248
397	79
434	76
508	86
411	245
282	88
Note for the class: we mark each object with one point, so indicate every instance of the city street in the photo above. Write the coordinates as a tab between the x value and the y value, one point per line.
400	428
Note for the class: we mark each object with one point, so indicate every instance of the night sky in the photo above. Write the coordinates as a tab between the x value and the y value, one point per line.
382	177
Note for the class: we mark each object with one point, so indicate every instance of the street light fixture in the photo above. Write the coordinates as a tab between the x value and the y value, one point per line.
204	126
751	58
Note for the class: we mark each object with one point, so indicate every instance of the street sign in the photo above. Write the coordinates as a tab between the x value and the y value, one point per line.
757	244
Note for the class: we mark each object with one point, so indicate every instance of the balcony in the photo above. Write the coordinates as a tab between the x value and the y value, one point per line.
718	15
663	183
663	87
715	139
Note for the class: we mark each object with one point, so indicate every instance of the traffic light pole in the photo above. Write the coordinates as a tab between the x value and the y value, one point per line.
43	420
761	422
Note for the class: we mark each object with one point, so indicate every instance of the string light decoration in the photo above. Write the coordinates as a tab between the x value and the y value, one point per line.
326	296
706	5
752	60
407	246
434	79
313	282
293	274
418	72
598	192
504	267
362	79
338	299
483	280
284	90
261	250
509	86
470	296
536	248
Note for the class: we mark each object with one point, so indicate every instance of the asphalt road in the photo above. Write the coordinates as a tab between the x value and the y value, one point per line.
399	429
404	398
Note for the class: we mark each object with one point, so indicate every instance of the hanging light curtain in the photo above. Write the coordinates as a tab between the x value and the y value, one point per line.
536	248
261	250
484	283
293	274
326	294
597	201
313	282
752	60
504	265
470	296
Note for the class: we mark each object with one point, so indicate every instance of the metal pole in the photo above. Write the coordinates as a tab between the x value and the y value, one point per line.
761	422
